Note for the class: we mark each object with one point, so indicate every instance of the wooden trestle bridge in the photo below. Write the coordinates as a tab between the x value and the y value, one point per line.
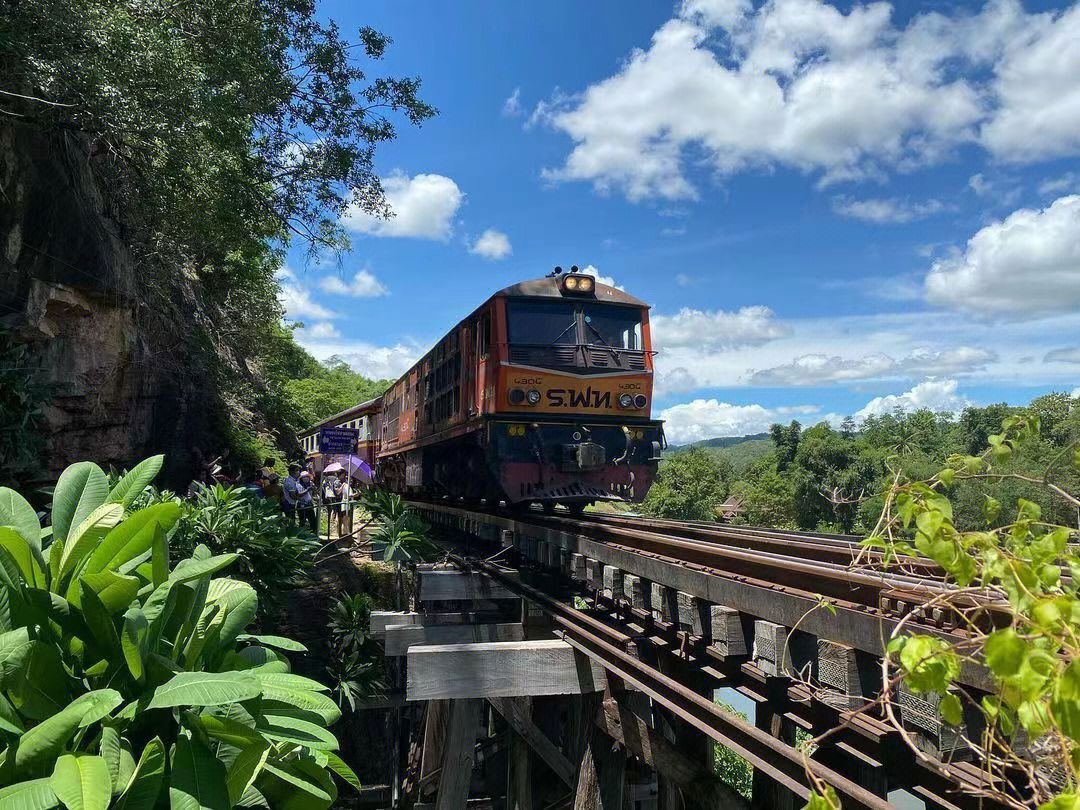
557	662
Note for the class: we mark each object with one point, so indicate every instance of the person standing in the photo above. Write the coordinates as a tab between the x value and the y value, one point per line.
305	505
331	497
345	507
293	491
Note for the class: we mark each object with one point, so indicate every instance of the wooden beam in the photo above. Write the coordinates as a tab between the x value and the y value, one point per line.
459	754
437	586
400	637
517	715
500	669
625	727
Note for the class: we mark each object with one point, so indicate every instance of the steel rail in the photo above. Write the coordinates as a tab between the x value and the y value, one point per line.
778	760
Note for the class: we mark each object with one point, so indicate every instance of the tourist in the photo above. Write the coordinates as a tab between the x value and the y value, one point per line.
331	497
272	490
345	495
292	493
305	504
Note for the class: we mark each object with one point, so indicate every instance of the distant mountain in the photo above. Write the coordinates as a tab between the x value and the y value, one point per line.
741	451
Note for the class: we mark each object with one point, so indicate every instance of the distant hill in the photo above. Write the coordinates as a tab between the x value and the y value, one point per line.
741	451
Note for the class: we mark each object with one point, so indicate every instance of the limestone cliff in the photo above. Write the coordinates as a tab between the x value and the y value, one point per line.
127	382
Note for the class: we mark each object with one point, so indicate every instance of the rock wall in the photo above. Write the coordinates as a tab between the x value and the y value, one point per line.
125	387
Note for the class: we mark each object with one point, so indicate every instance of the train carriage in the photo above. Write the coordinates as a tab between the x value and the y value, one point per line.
542	395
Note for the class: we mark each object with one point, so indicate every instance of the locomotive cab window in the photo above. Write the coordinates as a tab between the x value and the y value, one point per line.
542	323
617	327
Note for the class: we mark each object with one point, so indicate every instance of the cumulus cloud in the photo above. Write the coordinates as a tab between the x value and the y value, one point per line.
674	381
299	304
710	418
1070	354
321	330
492	244
1076	393
370	359
362	285
940	396
1028	263
512	106
716	329
1070	181
424	207
802	84
886	211
590	270
818	369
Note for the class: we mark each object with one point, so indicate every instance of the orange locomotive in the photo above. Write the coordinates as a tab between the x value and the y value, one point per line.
542	395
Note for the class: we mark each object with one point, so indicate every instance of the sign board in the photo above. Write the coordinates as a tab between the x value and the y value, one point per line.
334	440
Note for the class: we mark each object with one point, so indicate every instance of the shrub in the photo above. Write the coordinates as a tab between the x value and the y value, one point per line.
271	554
124	680
398	527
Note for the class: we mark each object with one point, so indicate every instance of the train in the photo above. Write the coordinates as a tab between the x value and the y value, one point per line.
542	395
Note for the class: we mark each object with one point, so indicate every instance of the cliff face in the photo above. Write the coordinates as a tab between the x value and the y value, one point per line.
125	385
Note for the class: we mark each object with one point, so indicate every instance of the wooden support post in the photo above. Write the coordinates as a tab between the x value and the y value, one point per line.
629	729
728	635
768	794
519	775
662	600
692	614
613	583
500	669
440	585
577	567
636	591
770	647
435	720
460	754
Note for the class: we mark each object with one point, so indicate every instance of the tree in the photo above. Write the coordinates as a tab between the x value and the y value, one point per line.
786	441
689	486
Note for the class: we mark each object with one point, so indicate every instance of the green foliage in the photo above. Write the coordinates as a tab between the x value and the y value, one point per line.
272	555
23	394
355	666
1027	565
733	769
398	528
124	680
350	621
689	486
328	389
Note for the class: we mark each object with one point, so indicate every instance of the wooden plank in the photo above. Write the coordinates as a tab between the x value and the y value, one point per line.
381	619
441	585
500	669
516	712
460	754
399	638
436	717
628	729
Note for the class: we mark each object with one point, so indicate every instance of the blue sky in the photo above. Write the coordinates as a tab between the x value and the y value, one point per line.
833	209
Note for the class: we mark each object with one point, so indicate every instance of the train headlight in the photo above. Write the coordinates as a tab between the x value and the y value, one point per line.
516	396
640	401
626	401
570	283
533	397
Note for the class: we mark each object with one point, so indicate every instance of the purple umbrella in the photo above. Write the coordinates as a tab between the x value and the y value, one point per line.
356	466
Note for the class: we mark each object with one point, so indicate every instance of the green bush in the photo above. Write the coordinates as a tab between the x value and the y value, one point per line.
272	555
124	681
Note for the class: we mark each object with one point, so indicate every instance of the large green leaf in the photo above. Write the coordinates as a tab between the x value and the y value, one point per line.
135	480
205	689
82	488
277	642
198	780
100	622
287	773
35	794
142	791
238	604
228	730
82	782
110	749
116	591
291	681
159	557
84	538
42	687
17	513
15	647
132	537
29	564
133	641
338	766
291	729
189	569
245	768
10	721
48	738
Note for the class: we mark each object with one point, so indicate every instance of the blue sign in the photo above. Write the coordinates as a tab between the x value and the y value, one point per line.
335	440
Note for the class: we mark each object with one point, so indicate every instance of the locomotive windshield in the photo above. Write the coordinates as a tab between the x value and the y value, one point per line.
542	323
587	335
617	327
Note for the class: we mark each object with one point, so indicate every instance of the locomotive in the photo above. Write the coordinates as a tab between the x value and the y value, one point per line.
541	396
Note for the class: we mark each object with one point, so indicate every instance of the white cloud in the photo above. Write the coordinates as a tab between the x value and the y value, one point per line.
590	270
1028	263
1076	393
321	330
818	369
1038	95
710	418
1065	355
801	84
424	207
1068	182
298	302
718	329
674	381
940	396
512	106
372	360
492	244
683	280
362	285
886	211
